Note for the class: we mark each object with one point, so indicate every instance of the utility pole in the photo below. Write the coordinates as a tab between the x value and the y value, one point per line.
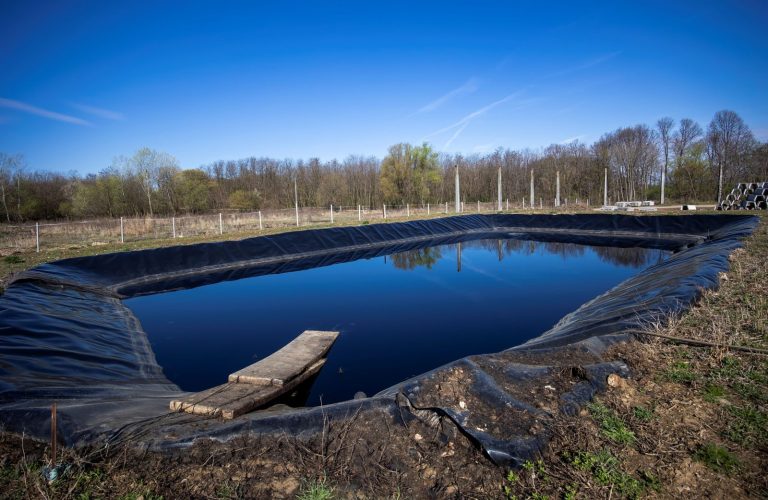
533	197
296	199
557	194
458	191
499	183
605	189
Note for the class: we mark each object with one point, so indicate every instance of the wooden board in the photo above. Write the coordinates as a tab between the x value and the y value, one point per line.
231	400
287	363
263	381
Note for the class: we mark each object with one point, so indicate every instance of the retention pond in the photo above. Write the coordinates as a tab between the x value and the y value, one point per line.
399	314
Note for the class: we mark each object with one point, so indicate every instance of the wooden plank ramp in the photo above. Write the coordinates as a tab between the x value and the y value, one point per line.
267	379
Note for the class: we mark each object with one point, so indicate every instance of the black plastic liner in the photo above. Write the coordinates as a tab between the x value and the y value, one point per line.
66	337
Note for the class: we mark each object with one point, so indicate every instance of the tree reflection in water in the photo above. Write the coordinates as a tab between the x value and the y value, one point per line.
634	257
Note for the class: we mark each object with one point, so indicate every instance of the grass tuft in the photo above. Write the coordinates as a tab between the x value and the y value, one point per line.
316	490
612	426
716	458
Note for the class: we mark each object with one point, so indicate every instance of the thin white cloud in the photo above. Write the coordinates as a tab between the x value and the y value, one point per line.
469	87
573	139
34	110
462	124
100	112
585	65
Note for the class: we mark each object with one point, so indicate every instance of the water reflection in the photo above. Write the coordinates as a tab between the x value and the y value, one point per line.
633	257
425	257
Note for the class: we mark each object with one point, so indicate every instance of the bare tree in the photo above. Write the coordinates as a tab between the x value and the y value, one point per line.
664	127
729	142
685	136
10	169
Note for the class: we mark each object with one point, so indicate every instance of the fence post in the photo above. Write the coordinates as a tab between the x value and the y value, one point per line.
407	209
359	213
478	206
173	225
385	210
331	213
507	204
37	237
446	208
427	208
122	232
541	202
523	201
221	225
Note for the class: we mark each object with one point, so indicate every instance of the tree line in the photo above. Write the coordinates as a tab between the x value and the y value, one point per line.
682	160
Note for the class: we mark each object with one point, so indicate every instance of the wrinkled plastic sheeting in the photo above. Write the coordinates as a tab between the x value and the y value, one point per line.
65	335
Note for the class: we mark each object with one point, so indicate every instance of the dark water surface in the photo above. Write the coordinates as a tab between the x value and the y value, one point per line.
398	315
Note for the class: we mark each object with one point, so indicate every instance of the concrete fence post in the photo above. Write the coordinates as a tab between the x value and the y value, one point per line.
122	231
407	209
37	237
221	225
427	208
359	213
173	225
331	213
261	227
385	210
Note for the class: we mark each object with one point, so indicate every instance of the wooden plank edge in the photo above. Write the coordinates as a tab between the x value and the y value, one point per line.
228	414
267	381
284	389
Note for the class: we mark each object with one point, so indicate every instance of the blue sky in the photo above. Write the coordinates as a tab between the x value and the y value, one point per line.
84	82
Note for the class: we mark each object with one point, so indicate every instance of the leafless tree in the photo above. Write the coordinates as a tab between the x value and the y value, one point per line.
729	142
664	128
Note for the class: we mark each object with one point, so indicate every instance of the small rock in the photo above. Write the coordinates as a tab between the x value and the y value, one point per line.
616	381
429	473
418	437
549	388
451	490
462	405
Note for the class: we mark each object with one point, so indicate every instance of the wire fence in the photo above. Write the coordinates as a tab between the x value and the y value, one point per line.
107	231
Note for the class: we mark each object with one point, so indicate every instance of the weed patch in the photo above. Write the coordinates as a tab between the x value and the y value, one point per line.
716	458
605	468
316	490
680	372
612	426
